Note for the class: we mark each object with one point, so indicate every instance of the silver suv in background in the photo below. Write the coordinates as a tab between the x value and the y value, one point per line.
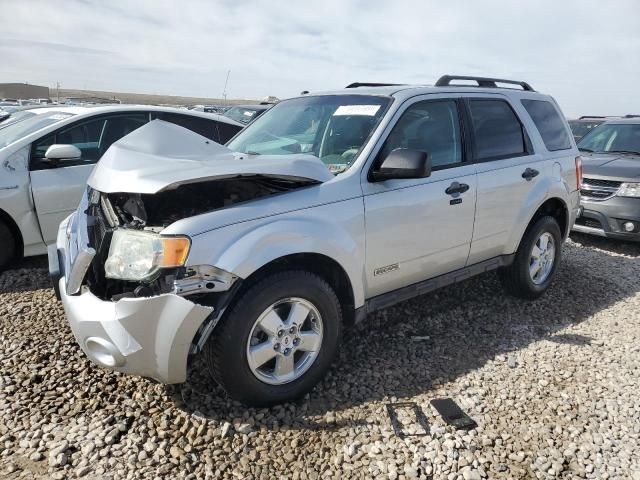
329	206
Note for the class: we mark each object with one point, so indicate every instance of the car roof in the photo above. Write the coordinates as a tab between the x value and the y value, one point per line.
407	91
88	110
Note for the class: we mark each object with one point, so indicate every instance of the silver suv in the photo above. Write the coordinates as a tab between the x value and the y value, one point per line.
326	208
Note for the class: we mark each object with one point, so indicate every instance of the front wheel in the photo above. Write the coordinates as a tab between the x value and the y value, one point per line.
278	340
536	260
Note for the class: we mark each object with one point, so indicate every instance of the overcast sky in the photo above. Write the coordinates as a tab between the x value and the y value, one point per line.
584	53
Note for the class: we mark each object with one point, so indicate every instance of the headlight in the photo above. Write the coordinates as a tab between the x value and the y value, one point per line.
136	255
629	190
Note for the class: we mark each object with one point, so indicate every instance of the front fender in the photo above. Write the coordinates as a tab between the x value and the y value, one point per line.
244	248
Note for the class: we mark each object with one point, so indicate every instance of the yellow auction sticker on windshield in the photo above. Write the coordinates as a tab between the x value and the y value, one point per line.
369	110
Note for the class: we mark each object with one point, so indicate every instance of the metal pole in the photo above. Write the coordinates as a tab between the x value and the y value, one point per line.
224	92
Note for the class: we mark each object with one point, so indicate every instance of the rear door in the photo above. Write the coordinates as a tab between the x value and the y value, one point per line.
508	170
57	189
219	132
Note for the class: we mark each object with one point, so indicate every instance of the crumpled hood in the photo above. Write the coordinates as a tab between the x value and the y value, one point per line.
610	165
161	155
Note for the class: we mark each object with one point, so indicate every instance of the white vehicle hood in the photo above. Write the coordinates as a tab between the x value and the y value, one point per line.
162	155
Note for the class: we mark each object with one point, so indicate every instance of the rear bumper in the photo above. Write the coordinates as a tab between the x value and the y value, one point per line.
607	218
149	336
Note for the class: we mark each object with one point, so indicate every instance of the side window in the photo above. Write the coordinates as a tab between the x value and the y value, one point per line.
85	135
431	126
40	146
198	125
497	131
223	132
219	132
549	124
118	126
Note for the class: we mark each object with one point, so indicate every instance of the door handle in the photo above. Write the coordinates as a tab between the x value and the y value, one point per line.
529	173
456	187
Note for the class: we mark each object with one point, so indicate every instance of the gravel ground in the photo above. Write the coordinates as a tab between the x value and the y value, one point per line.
553	386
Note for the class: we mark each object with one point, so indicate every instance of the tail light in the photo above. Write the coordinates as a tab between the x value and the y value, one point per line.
578	172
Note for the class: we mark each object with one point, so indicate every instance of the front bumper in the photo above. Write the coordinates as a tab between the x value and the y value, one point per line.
606	218
148	336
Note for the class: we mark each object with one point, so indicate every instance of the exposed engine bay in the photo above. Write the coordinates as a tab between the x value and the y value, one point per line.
168	206
154	212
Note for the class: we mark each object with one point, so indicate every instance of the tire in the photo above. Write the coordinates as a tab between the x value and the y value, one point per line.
517	279
7	246
241	329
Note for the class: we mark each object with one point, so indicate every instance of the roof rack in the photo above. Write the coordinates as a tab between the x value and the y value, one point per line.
445	81
358	84
595	116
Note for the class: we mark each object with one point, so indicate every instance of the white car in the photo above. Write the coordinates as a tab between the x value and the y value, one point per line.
46	158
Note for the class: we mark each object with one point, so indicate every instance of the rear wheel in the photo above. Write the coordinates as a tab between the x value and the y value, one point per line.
7	245
278	340
536	260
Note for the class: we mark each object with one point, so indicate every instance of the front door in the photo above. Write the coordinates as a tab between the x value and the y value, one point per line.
57	189
421	228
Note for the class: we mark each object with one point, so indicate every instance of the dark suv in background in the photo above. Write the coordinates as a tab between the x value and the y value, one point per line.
610	191
583	125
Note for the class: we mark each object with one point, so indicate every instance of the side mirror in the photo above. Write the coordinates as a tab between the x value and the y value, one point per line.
403	163
57	153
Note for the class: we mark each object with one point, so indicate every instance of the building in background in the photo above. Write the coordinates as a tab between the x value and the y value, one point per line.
19	91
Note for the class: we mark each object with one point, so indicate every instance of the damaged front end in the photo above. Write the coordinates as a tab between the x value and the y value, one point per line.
124	229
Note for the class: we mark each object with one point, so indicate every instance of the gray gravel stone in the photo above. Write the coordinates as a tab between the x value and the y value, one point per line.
552	385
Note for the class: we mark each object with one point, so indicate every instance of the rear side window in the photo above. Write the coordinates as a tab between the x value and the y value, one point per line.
549	124
497	131
219	132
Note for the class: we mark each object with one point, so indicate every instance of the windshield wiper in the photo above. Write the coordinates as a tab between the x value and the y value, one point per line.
630	152
251	152
585	150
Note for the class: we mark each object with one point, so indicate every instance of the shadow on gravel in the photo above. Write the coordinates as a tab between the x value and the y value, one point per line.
571	339
420	344
20	277
630	249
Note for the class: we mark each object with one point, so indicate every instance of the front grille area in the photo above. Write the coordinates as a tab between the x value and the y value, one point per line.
596	189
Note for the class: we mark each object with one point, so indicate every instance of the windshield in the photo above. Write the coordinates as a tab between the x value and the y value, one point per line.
27	126
612	137
241	114
332	127
580	128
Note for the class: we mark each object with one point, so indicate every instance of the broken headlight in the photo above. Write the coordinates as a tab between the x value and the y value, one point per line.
136	255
